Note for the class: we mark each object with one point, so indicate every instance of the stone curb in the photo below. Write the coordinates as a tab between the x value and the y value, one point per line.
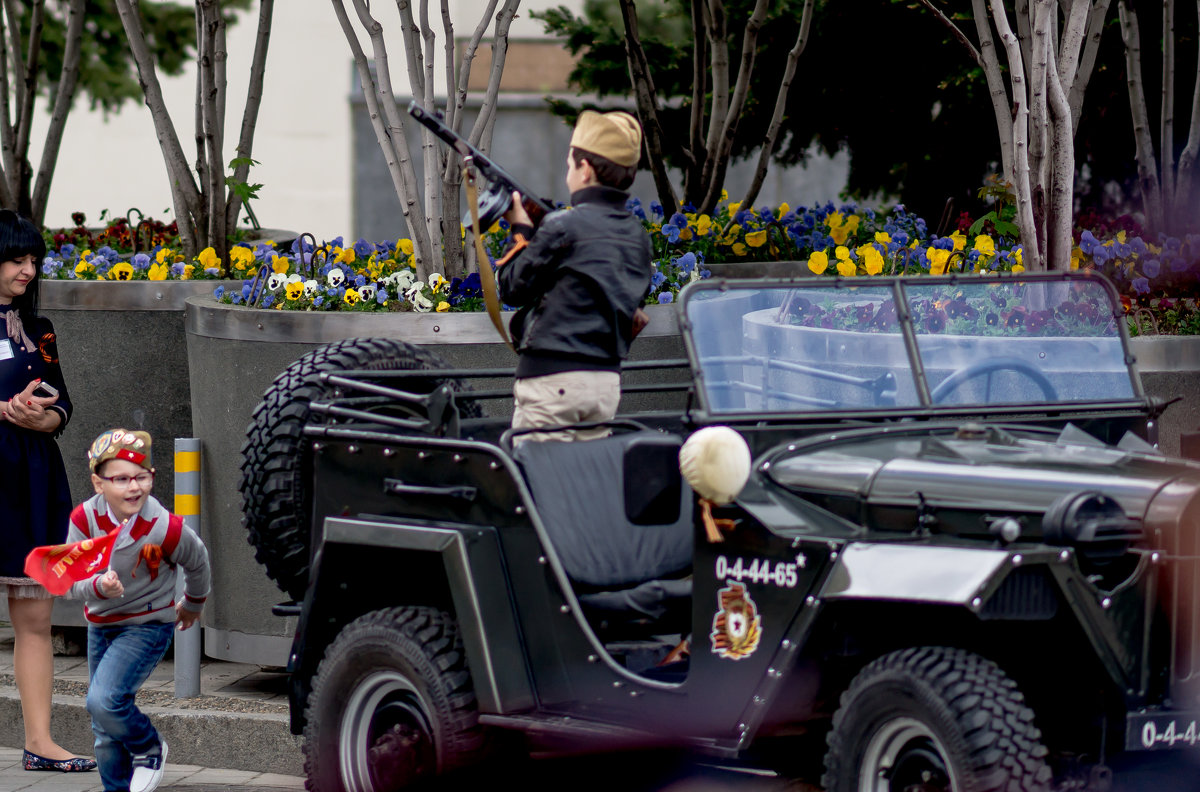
259	742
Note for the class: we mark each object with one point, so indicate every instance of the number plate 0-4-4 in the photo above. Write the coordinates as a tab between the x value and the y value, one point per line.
1159	731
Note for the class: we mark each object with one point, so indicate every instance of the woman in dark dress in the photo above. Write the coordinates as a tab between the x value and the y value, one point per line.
35	500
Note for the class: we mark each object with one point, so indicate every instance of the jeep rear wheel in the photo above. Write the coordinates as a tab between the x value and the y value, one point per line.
274	482
391	705
934	719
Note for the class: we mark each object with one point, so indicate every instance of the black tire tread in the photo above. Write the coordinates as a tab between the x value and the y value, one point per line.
274	504
1003	745
428	639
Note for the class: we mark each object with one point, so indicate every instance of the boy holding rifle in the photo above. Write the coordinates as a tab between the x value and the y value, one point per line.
578	281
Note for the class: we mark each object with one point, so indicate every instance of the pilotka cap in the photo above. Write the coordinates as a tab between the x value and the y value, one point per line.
120	444
616	136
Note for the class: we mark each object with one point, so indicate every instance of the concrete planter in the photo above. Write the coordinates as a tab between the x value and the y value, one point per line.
1170	368
234	353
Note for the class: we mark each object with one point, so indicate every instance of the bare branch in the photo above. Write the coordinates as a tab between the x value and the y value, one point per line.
1143	143
410	34
1087	62
1166	145
395	151
68	81
955	31
8	157
1185	178
183	187
211	180
28	91
647	106
719	66
1002	107
254	93
789	73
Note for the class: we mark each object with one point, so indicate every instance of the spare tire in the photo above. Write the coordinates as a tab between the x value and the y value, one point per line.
275	470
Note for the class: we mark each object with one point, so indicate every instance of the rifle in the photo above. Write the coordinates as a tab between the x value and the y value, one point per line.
497	199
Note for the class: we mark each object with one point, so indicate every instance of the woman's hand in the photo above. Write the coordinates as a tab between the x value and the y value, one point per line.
30	412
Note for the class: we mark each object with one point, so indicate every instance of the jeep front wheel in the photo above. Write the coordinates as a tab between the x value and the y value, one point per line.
937	720
391	705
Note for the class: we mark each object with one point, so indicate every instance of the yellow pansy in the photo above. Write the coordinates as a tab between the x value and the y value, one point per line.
208	258
739	249
158	272
703	225
724	195
122	270
938	259
847	268
442	307
188	269
756	238
782	210
841	253
295	290
959	239
241	257
344	255
84	267
733	208
405	246
436	282
1121	236
872	259
883	237
495	229
685	234
280	264
1019	255
852	223
350	297
732	235
1018	268
818	262
1076	257
164	256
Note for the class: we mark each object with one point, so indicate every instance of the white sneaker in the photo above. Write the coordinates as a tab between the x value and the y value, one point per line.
148	770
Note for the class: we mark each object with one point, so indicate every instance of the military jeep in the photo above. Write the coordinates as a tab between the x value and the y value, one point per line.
957	560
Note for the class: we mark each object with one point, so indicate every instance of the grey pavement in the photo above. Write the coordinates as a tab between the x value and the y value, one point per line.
234	734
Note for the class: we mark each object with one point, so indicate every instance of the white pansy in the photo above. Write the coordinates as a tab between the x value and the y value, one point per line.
420	302
335	278
436	282
276	281
294	278
366	292
400	281
310	288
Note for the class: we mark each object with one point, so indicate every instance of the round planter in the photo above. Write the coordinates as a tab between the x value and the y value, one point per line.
124	358
235	352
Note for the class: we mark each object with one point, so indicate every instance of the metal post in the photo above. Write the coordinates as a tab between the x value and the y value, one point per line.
187	506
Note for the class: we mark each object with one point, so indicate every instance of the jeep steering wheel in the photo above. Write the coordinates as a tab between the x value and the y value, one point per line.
987	367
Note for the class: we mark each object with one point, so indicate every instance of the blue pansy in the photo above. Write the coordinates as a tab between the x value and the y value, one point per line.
665	298
219	291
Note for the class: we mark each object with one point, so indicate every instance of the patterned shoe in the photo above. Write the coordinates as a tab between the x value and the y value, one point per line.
76	765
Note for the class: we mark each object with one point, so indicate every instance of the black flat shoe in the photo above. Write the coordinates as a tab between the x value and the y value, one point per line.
76	765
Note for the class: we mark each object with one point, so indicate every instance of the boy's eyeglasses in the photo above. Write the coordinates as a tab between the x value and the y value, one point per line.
123	481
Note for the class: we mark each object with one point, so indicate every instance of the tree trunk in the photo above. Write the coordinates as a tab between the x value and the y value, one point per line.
1143	143
63	98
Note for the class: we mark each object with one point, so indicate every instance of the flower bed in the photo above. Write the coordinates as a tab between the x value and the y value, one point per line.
1159	279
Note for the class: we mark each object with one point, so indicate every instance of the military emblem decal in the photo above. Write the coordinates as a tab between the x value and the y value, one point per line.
737	625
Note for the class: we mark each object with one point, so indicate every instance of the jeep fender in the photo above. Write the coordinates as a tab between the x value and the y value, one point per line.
445	562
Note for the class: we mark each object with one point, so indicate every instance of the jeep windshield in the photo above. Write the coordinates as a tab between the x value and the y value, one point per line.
816	344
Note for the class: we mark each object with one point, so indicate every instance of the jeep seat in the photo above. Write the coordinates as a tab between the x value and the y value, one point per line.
618	515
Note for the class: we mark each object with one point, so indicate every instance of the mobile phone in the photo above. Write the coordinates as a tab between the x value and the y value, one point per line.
45	389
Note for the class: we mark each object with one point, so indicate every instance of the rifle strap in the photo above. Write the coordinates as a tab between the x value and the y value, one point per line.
487	278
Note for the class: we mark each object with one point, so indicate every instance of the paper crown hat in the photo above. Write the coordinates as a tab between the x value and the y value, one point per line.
616	136
120	444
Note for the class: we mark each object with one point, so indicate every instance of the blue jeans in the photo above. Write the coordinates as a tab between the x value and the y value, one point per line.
120	658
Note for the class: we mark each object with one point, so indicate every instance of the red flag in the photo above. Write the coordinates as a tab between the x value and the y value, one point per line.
58	566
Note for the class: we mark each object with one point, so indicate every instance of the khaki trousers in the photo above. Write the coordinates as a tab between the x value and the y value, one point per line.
565	398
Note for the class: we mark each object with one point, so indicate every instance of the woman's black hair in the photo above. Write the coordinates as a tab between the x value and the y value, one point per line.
19	237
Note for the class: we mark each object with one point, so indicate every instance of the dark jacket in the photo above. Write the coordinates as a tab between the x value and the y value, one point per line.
577	284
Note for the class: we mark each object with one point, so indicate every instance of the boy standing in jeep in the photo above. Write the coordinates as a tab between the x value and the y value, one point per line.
579	282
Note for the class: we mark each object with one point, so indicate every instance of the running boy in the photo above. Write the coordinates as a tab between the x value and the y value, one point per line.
130	606
578	281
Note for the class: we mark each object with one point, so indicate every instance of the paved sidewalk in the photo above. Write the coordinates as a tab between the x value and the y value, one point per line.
239	720
14	776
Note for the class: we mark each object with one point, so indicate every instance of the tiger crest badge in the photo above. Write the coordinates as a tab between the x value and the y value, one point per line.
737	626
